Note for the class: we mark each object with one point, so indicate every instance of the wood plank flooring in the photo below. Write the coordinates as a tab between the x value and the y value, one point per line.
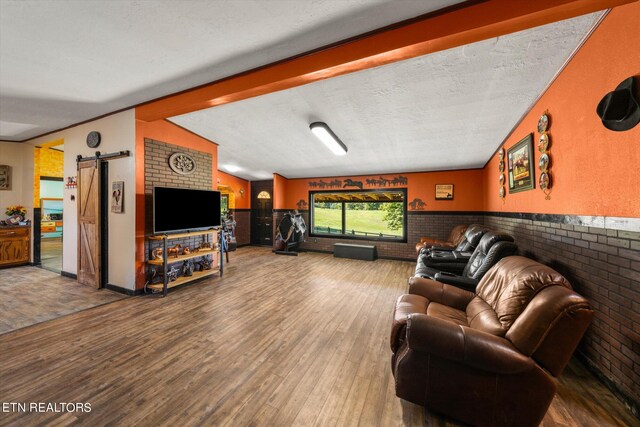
277	341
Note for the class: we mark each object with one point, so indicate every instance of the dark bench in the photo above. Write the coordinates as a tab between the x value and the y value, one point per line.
347	250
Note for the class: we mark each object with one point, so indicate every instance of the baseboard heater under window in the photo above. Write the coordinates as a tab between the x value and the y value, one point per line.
347	250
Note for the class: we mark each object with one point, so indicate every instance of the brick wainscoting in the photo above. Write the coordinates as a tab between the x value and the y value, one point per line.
419	223
603	265
243	225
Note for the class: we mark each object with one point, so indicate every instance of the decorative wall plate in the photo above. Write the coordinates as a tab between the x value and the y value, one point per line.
543	143
501	166
543	123
543	164
501	179
182	163
502	192
501	154
545	181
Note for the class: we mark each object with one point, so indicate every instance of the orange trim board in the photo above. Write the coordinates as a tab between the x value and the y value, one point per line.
472	22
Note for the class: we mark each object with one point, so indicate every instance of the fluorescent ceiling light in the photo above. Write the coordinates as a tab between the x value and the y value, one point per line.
326	135
231	168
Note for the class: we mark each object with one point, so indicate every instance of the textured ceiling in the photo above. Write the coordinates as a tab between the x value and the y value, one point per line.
63	62
447	110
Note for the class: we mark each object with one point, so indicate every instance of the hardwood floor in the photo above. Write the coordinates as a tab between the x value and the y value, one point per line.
30	295
277	341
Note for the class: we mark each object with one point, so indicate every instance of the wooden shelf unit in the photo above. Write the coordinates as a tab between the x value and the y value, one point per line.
166	260
182	280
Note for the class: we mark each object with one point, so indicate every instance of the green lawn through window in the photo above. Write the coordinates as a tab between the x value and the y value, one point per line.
359	220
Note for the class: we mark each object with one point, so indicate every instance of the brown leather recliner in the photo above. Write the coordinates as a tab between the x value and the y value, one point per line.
488	358
455	236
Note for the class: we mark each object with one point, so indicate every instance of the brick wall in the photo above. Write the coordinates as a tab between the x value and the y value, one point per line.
603	265
159	174
243	225
419	224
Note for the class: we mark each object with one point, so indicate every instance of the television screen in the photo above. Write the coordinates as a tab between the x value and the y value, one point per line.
182	209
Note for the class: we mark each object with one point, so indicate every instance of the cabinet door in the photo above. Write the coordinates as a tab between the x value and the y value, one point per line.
14	250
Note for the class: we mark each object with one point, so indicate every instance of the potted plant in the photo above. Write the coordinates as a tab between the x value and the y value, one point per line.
16	214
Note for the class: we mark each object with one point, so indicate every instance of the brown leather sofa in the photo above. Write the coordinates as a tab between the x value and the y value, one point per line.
487	358
455	236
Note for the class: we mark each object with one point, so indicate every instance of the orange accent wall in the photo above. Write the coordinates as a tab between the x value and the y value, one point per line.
281	192
467	184
242	201
594	171
165	131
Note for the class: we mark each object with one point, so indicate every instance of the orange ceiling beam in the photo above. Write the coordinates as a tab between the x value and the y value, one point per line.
456	26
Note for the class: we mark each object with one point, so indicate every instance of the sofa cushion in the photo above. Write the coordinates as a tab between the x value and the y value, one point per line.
481	316
445	312
509	286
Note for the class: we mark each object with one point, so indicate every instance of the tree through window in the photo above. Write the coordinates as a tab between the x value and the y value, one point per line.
365	214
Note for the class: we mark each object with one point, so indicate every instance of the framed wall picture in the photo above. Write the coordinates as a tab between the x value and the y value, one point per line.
520	165
117	196
5	177
444	191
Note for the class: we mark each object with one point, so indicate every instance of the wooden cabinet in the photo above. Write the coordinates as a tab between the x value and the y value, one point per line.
15	245
166	260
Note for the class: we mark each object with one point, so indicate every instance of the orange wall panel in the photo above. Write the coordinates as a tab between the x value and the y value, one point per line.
467	184
594	170
242	200
280	192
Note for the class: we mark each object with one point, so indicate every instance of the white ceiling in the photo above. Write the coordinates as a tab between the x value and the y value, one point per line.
63	62
448	110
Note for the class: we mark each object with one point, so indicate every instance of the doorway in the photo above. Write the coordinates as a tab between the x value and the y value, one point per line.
48	221
262	213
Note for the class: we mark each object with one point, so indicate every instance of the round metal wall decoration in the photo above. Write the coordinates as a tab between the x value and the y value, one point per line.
544	162
543	123
501	166
501	154
182	163
543	143
93	139
502	192
545	181
501	179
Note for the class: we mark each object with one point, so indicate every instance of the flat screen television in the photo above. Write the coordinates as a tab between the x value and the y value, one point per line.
182	209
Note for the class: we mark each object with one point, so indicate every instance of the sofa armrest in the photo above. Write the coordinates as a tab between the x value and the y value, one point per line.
427	334
442	248
441	293
459	281
431	241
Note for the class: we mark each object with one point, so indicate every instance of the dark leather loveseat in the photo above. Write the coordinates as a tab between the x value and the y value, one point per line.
493	246
487	358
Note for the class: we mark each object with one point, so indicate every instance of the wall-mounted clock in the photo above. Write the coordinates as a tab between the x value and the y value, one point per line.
93	139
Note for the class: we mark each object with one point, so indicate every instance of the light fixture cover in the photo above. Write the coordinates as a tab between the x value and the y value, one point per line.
264	195
231	168
326	135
